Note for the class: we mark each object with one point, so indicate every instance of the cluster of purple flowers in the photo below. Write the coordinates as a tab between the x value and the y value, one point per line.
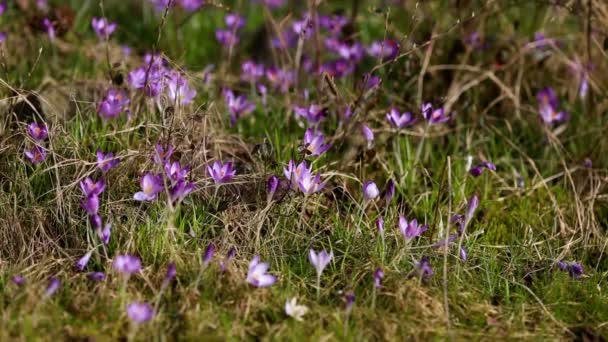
39	133
301	177
228	36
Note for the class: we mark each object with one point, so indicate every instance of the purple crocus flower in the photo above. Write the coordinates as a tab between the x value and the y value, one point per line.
90	204
384	50
90	187
238	106
180	190
434	115
137	78
170	274
162	155
338	68
221	172
2	37
370	191
140	312
380	225
279	78
389	191
106	161
251	71
368	134
574	269
372	81
547	107
96	276
333	23
308	183
351	52
178	89
105	233
472	205
18	280
151	185
103	28
400	120
313	114
229	256
227	38
48	26
2	7
320	260
191	5
113	104
208	254
350	301
272	184
378	275
36	154
175	172
477	170
463	254
314	142
38	131
293	172
234	21
95	221
475	41
412	229
52	287
257	276
82	263
127	264
425	271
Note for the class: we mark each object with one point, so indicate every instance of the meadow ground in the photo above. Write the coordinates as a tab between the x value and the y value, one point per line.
505	171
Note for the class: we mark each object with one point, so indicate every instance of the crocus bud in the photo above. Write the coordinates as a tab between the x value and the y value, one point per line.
370	190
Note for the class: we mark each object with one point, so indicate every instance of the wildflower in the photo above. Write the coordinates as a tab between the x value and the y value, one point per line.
95	220
463	254
370	190
389	191
472	205
378	275
220	172
178	89
104	234
90	187
113	104
333	23
48	26
137	78
434	115
442	243
309	184
372	81
350	301
477	170
3	6
293	172
175	172
251	71
170	274
368	134
338	68
313	114
52	287
151	185
351	52
36	155
400	120
547	107
103	28
127	264
385	50
191	5
475	41
292	309
81	264
412	229
257	275
2	37
587	163
162	155
314	142
320	260
271	186
180	190
107	161
227	38
234	21
574	269
18	280
303	28
208	254
229	256
140	312
91	204
380	225
424	269
96	276
279	78
238	106
37	131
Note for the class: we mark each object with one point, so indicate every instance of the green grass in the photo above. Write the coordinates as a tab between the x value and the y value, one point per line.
541	206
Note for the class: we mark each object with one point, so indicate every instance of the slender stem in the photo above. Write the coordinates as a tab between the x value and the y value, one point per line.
318	286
